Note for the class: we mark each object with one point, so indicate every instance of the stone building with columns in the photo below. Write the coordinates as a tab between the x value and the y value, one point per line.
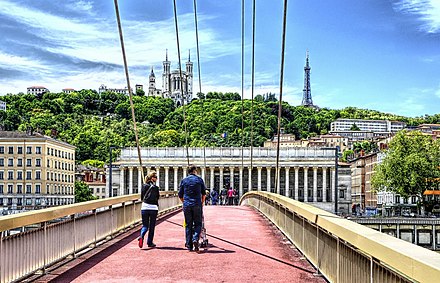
306	174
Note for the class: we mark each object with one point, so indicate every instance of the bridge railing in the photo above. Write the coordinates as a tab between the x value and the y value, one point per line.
54	234
342	250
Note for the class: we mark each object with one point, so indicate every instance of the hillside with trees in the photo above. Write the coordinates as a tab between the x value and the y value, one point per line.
92	121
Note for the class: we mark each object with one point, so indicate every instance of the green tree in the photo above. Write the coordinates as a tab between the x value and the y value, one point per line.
354	127
411	163
83	192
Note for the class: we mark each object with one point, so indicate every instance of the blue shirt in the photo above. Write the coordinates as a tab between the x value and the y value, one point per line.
191	190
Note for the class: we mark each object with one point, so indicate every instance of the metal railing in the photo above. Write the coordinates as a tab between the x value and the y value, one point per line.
342	250
60	232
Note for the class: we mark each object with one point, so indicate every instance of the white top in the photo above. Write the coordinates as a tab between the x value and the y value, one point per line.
147	206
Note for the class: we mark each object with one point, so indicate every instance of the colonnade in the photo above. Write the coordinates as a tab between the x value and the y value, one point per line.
305	183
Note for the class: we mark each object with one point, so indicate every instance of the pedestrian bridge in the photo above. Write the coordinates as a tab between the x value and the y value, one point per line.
267	238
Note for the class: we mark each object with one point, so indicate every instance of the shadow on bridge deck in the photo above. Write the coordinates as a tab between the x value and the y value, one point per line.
243	247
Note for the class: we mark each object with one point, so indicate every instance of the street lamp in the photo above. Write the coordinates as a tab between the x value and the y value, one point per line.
110	185
336	149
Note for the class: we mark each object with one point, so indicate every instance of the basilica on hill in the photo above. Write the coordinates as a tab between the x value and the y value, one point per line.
178	87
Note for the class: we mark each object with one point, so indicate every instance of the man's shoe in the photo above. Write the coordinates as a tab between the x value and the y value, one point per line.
196	246
140	242
152	245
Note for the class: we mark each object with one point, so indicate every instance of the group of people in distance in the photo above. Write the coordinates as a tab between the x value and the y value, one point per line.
225	197
192	193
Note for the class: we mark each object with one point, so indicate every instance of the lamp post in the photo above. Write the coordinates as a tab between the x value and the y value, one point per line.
336	149
110	185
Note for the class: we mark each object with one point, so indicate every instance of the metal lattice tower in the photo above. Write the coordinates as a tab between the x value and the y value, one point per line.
307	92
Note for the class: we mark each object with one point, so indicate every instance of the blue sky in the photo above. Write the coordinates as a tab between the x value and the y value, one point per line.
376	54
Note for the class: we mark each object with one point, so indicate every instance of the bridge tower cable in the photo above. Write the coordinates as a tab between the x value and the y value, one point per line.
181	83
199	73
121	37
242	87
253	82
280	102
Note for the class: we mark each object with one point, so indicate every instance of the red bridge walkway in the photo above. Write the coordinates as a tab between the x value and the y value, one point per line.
243	247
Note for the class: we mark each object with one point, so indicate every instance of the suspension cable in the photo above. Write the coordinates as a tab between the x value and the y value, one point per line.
128	85
199	73
280	102
181	83
242	86
253	81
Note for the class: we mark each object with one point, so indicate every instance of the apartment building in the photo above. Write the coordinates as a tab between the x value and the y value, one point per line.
94	178
376	126
37	90
36	171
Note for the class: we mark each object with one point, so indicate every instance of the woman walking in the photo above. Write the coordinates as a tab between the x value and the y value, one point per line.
149	209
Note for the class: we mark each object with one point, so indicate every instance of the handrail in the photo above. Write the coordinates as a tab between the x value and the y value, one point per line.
411	260
38	216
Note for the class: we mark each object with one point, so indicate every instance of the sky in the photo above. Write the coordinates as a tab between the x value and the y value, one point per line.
378	54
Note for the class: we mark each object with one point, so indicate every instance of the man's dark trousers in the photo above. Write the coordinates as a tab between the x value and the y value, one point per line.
193	220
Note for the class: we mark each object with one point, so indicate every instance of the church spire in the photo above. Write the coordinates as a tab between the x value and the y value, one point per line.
189	55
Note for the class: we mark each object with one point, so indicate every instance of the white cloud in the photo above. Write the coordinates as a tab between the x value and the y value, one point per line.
427	10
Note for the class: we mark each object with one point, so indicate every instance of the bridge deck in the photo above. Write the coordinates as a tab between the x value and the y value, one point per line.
243	247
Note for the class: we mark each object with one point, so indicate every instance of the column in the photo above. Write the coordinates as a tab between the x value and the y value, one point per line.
221	178
278	177
315	184
139	179
306	185
324	184
158	176
185	172
166	186
249	179
203	173
130	180
296	183
212	177
176	170
332	197
259	178
240	184
286	193
122	181
231	177
268	179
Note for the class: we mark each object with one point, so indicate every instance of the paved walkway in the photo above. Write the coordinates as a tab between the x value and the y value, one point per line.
243	247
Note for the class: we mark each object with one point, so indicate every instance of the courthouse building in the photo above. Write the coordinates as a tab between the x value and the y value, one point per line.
306	174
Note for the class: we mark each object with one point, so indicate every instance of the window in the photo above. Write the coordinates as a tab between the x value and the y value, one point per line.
38	150
10	175
28	175
28	162
9	201
2	149
10	150
48	163
413	199
10	162
37	201
19	175
2	175
28	201
19	162
38	162
28	189
1	201
37	175
19	189
48	151
47	189
397	199
9	189
38	189
20	150
20	201
1	189
29	149
341	193
2	162
51	151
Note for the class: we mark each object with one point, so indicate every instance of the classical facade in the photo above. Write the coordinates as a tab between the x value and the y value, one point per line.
36	171
306	174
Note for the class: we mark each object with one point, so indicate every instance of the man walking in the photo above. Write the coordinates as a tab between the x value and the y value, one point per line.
192	192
